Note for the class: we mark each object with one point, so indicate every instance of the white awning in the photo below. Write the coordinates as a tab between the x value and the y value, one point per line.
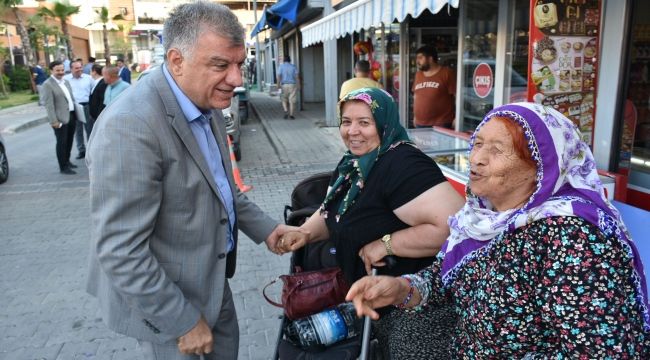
364	14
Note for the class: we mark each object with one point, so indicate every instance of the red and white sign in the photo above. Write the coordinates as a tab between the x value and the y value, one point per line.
483	80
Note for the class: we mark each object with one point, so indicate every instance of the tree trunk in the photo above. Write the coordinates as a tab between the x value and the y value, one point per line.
24	37
107	49
66	36
3	89
46	50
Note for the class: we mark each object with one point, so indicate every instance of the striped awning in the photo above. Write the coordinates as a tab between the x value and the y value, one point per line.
364	14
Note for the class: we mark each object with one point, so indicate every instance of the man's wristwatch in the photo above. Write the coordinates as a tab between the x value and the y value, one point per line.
387	244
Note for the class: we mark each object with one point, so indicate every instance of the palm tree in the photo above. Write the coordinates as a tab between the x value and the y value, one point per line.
40	35
104	19
62	10
20	27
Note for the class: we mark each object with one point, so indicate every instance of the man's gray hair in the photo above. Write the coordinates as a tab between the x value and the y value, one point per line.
187	21
112	70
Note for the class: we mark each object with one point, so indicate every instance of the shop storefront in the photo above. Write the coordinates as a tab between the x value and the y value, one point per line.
284	18
548	51
633	155
377	31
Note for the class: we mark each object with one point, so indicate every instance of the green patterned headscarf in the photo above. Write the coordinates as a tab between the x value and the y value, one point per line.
353	170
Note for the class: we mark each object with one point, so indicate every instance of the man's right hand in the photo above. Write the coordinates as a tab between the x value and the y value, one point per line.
56	125
197	341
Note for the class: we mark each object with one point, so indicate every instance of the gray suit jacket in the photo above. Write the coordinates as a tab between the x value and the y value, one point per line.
56	105
158	249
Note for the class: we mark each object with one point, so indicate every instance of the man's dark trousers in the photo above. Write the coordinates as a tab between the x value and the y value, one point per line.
64	138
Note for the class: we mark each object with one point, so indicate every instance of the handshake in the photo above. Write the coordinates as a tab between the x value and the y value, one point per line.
286	238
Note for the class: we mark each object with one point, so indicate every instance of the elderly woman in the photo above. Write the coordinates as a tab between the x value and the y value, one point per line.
386	198
539	265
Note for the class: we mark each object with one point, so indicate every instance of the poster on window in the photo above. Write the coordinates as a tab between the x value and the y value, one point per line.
563	58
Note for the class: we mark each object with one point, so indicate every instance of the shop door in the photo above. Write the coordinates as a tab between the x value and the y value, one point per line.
494	57
444	39
479	52
634	154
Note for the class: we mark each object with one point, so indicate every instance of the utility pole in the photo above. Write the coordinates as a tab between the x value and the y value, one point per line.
258	67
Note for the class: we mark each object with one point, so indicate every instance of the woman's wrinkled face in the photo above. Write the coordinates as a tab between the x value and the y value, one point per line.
358	129
497	173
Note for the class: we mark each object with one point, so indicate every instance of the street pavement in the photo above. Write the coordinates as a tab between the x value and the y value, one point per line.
44	236
21	117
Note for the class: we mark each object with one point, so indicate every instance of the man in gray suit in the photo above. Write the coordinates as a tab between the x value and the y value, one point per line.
165	212
59	105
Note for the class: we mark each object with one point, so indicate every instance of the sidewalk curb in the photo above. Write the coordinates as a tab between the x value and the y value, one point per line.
273	138
12	129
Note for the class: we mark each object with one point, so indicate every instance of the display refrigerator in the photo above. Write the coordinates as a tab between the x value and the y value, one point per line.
449	149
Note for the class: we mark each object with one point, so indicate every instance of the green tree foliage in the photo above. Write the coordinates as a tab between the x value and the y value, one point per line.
20	26
20	78
105	19
40	34
62	10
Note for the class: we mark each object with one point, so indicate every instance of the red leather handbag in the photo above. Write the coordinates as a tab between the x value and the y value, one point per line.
309	292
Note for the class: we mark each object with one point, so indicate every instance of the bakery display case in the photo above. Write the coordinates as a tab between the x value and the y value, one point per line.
455	167
449	149
432	141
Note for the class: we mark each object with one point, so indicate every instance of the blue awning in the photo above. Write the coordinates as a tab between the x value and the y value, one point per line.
277	15
261	25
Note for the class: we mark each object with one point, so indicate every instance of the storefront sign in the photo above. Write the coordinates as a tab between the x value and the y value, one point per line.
483	80
563	58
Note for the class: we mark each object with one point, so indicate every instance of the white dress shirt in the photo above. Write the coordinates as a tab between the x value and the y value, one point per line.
65	92
81	87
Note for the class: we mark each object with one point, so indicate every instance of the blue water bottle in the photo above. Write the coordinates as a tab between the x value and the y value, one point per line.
324	328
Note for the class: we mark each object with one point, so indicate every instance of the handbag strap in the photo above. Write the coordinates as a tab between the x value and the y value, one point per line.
267	298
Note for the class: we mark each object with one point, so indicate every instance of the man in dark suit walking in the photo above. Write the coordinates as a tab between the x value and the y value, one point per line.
124	72
96	102
59	105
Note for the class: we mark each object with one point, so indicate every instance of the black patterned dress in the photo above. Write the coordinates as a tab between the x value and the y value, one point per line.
555	289
399	176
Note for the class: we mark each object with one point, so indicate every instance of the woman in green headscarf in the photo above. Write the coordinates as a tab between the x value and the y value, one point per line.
386	198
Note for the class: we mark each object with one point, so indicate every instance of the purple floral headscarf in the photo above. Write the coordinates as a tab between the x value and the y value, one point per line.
567	185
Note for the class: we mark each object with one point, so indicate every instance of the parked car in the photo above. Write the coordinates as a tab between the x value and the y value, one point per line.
233	122
4	163
231	115
244	96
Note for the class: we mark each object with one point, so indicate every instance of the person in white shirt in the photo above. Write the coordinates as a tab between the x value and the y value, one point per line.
59	106
82	86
